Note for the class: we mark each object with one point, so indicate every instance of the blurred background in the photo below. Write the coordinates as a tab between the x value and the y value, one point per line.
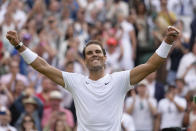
130	30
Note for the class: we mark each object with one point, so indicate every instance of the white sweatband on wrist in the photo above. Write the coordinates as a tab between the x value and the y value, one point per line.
28	55
163	50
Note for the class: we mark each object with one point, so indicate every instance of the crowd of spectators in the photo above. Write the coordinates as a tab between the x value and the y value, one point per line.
130	30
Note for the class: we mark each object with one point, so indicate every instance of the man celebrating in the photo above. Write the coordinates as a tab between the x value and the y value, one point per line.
99	97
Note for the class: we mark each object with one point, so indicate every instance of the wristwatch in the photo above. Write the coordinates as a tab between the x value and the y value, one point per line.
17	47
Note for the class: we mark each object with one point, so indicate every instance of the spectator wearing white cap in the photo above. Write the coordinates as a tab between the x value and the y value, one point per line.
51	114
142	108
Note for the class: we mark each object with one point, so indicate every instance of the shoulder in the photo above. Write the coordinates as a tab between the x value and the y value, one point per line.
72	75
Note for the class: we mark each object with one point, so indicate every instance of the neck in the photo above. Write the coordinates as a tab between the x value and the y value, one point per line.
95	75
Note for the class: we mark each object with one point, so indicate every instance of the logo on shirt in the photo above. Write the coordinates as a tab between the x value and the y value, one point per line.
107	83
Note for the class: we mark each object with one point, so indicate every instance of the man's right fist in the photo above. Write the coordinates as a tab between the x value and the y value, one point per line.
13	38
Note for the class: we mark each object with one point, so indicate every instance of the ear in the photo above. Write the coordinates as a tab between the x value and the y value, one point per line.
105	58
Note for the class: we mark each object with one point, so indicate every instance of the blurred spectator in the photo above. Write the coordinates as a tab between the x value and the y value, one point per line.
155	88
13	75
118	6
142	108
127	122
46	87
19	88
60	125
186	61
28	123
6	96
128	42
18	107
167	16
5	119
171	110
33	107
190	115
51	114
193	30
181	88
190	76
115	53
72	55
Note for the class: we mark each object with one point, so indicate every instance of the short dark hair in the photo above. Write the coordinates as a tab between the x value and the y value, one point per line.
96	42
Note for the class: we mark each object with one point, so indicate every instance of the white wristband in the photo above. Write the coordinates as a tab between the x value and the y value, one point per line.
28	55
163	50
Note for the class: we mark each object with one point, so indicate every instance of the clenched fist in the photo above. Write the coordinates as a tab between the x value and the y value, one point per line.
171	35
13	37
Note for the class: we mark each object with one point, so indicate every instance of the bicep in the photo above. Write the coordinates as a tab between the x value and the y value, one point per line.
49	71
55	75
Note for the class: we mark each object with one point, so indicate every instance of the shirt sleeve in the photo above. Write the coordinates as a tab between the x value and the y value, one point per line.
70	80
123	78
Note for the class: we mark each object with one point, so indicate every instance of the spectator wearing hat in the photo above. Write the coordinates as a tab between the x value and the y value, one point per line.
171	111
33	107
51	113
5	119
142	108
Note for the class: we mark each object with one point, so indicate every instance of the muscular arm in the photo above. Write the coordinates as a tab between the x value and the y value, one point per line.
143	70
44	68
154	62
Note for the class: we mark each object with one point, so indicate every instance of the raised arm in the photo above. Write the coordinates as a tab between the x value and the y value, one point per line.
140	72
35	61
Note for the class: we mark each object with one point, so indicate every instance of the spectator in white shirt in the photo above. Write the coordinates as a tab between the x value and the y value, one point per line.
142	108
171	110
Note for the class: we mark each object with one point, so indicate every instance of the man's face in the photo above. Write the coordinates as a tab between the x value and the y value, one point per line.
55	103
14	67
95	59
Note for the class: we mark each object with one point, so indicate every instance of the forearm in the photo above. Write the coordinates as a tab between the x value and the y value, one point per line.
157	123
130	109
153	63
141	71
180	108
153	110
40	65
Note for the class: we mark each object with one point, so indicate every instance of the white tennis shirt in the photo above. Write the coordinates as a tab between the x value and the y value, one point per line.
99	104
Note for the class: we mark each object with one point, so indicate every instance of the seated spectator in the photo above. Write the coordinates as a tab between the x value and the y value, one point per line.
28	123
51	113
31	107
5	119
